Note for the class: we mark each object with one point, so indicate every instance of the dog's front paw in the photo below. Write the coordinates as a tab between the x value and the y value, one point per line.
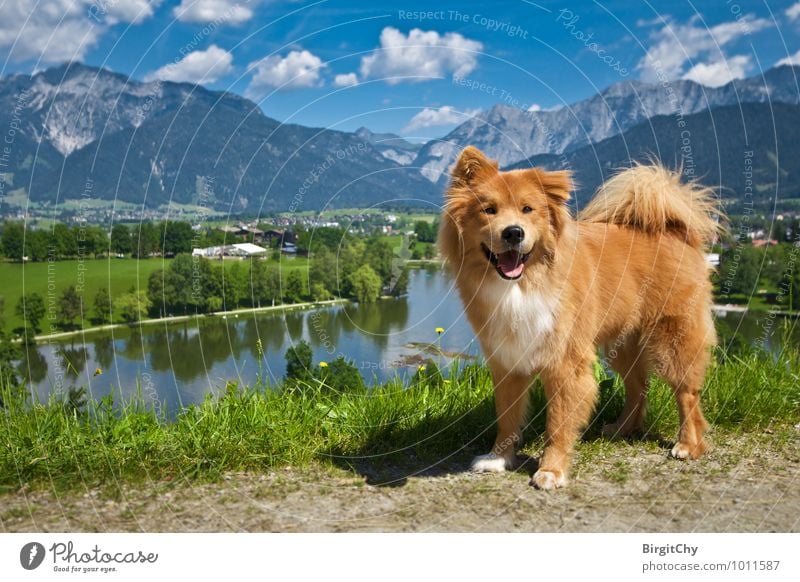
548	479
489	463
686	451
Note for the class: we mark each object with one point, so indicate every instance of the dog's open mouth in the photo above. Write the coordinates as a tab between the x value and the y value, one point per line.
509	264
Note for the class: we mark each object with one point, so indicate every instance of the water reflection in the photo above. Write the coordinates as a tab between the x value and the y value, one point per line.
178	364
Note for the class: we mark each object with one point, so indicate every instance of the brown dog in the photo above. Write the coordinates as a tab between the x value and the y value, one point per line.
543	290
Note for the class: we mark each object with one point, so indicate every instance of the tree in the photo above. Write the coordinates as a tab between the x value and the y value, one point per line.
102	305
13	240
424	231
132	305
65	240
146	240
31	309
121	242
341	376
37	245
322	269
740	270
234	280
319	293
380	257
366	284
294	290
298	362
70	306
177	237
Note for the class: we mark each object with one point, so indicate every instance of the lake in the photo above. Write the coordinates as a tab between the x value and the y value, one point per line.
177	364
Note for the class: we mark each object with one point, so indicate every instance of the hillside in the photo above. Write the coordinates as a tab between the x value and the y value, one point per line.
90	132
716	146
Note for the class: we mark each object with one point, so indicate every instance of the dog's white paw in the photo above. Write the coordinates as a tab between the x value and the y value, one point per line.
681	451
489	463
548	480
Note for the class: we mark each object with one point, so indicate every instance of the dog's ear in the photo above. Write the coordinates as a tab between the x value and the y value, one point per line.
557	185
472	166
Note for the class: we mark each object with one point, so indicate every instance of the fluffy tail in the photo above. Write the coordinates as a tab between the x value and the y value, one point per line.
653	199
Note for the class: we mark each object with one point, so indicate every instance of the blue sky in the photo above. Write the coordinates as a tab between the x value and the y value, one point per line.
415	68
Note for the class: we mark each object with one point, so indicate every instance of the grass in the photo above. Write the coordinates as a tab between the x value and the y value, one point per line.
116	275
58	444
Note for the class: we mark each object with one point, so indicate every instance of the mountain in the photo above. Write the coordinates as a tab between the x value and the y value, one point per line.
88	132
509	134
391	146
724	147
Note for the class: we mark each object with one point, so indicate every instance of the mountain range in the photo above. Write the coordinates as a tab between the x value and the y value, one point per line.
80	131
88	132
509	135
749	152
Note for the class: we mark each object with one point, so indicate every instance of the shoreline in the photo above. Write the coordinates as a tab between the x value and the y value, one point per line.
179	318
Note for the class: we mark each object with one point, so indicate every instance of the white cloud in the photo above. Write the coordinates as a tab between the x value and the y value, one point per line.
720	72
790	60
61	30
296	70
675	45
220	11
535	107
197	67
793	12
421	54
134	11
446	115
346	80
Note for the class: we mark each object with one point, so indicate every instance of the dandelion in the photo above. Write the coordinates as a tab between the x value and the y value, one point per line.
98	371
323	364
421	367
440	330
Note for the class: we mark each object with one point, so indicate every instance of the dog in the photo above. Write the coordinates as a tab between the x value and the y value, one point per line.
543	291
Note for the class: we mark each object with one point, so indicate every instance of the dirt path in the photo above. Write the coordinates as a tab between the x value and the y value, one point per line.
752	485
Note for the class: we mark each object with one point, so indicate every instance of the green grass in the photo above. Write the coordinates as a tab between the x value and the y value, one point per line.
56	445
116	275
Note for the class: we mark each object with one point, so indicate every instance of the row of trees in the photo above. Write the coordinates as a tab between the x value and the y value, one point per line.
362	270
142	240
744	269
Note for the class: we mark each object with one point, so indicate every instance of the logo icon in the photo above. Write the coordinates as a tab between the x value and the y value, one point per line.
31	555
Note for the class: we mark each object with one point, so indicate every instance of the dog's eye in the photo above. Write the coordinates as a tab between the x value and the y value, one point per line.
526	209
490	210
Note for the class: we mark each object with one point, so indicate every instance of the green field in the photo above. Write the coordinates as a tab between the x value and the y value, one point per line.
68	444
116	275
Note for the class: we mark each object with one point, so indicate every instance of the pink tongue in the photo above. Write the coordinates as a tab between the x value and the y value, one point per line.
510	264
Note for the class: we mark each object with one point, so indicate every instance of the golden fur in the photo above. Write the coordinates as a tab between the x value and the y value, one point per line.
629	276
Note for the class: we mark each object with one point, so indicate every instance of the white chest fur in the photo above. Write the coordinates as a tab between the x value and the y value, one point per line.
517	334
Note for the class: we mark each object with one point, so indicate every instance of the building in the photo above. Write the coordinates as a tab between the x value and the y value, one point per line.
239	251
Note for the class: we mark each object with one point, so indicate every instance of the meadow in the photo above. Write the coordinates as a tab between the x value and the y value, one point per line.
88	276
65	443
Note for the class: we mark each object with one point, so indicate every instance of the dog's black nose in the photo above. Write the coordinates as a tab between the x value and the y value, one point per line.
513	235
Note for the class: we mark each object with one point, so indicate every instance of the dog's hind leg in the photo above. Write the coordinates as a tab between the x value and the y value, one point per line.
630	362
571	393
511	394
682	356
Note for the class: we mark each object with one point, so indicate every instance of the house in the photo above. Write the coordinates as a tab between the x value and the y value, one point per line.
239	250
